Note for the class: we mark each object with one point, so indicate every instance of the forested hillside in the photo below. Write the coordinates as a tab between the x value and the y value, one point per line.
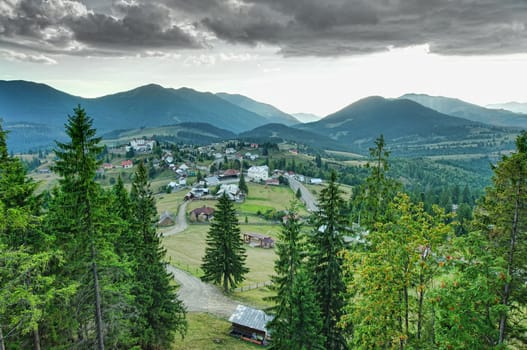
412	257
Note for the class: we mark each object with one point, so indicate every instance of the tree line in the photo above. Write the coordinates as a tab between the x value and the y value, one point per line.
82	267
389	274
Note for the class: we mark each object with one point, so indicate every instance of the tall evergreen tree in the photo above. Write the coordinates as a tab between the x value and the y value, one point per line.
27	288
224	260
161	313
370	201
326	261
502	217
297	322
83	226
242	185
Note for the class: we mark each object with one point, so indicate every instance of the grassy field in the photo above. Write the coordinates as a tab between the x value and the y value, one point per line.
207	332
186	249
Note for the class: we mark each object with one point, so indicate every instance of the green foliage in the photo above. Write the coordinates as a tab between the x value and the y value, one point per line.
224	260
326	261
465	301
371	200
82	225
242	185
385	310
502	217
297	323
160	313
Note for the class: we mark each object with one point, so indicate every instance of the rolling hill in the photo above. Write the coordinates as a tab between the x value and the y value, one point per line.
271	113
306	117
461	109
151	105
516	107
407	126
277	133
191	133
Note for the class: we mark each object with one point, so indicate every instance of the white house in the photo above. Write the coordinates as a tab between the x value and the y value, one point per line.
257	173
315	181
142	145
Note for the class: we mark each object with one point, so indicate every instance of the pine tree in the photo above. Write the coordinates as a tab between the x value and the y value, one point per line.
84	227
326	261
296	313
224	260
27	288
161	313
306	321
370	202
502	217
242	185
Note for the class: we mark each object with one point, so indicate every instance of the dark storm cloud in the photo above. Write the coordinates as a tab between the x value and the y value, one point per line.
69	26
297	27
339	27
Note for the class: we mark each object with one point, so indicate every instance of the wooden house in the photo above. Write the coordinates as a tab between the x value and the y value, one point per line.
250	324
258	240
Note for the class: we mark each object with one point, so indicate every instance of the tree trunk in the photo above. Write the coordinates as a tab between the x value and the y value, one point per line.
2	345
98	312
36	339
507	287
420	306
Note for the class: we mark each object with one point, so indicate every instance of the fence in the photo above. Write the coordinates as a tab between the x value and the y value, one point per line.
253	286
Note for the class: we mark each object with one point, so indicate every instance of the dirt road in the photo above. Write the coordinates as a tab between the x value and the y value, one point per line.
181	221
202	297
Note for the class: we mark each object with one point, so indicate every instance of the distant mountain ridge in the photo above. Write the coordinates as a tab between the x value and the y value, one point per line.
271	113
35	114
462	109
404	123
516	107
306	117
146	106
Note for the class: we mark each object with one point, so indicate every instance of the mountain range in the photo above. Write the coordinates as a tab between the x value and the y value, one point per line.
516	107
413	124
461	109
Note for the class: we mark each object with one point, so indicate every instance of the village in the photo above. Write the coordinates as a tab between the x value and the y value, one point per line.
188	180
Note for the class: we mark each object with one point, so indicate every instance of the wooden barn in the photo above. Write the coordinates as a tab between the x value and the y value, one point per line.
250	324
166	219
258	240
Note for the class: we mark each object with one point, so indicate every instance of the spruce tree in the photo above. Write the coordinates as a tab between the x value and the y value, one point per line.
27	288
306	322
502	217
296	312
84	227
160	313
370	201
224	260
242	185
326	261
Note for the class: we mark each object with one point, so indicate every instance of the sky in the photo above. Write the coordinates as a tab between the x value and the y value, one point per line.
314	56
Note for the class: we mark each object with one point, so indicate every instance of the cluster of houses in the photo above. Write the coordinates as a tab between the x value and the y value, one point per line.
141	145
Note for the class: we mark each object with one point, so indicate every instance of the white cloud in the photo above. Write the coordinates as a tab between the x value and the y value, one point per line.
23	57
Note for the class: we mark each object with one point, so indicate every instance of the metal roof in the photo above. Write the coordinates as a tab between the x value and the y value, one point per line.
249	317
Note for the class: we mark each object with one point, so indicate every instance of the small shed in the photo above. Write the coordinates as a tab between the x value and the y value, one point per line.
201	214
250	324
166	219
258	240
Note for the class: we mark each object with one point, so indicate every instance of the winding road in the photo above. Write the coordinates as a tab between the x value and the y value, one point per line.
181	221
307	196
195	294
203	297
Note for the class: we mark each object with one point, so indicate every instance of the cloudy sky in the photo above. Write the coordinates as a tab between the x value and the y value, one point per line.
299	55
